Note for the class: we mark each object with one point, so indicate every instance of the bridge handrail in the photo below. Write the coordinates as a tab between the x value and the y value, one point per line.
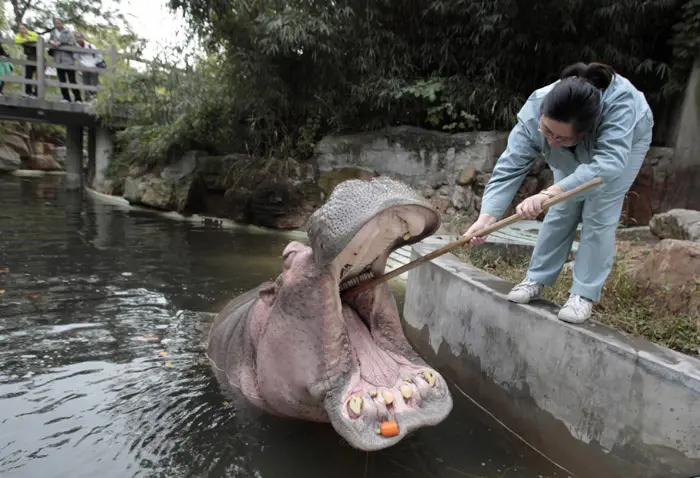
42	62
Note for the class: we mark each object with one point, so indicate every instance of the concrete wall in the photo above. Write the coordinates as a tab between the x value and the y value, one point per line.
684	182
600	403
100	150
449	169
103	153
74	157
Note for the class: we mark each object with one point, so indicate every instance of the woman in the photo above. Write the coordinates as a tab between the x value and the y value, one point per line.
89	60
28	39
591	123
62	36
6	67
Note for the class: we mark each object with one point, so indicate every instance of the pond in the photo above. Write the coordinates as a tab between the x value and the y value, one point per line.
103	317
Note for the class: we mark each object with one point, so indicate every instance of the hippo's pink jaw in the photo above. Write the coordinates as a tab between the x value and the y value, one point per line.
388	380
385	386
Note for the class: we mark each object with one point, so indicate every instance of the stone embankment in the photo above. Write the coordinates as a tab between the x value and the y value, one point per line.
449	169
17	151
672	266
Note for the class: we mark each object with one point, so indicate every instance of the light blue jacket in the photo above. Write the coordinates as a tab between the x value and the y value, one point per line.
603	152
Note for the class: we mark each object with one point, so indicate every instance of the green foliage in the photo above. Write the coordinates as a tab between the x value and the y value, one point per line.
38	14
686	45
45	132
100	22
170	111
288	72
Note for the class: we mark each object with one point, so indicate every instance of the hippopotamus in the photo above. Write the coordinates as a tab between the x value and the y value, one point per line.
297	348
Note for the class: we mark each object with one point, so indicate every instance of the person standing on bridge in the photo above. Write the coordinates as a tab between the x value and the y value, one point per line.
89	60
28	38
592	122
62	36
6	67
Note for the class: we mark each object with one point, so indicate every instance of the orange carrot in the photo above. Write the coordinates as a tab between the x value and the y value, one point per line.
389	429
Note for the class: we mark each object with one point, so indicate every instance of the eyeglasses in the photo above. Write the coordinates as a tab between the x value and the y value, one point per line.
550	135
564	140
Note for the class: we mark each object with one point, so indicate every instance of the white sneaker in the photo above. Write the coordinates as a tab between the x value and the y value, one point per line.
526	291
576	310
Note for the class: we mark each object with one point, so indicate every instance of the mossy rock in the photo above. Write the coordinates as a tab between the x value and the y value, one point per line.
279	204
327	180
220	172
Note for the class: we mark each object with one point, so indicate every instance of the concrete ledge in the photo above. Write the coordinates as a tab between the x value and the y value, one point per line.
599	402
35	173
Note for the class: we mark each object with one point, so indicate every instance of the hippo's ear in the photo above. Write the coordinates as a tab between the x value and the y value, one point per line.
267	293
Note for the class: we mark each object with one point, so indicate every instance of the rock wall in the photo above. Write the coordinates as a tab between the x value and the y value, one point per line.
279	194
18	152
449	169
654	183
452	170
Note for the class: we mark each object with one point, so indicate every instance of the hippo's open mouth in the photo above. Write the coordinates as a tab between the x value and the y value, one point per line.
387	382
366	255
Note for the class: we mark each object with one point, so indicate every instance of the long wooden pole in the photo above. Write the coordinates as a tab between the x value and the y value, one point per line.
446	248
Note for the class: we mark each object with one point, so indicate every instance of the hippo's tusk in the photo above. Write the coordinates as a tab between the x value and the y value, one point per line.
406	391
355	405
429	377
388	397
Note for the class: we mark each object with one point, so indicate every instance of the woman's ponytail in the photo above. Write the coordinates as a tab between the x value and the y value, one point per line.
599	75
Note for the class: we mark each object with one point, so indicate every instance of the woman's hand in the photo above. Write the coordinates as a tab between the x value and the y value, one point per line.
482	222
531	207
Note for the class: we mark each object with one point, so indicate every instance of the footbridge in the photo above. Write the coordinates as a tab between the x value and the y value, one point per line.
39	100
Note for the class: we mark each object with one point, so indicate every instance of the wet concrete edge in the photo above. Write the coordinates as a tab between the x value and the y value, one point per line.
595	400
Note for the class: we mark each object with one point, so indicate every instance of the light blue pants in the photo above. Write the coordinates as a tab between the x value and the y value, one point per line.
600	210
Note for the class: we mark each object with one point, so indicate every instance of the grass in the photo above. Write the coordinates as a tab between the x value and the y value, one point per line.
625	304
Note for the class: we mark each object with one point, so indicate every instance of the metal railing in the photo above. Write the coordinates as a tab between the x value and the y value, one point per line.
44	61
